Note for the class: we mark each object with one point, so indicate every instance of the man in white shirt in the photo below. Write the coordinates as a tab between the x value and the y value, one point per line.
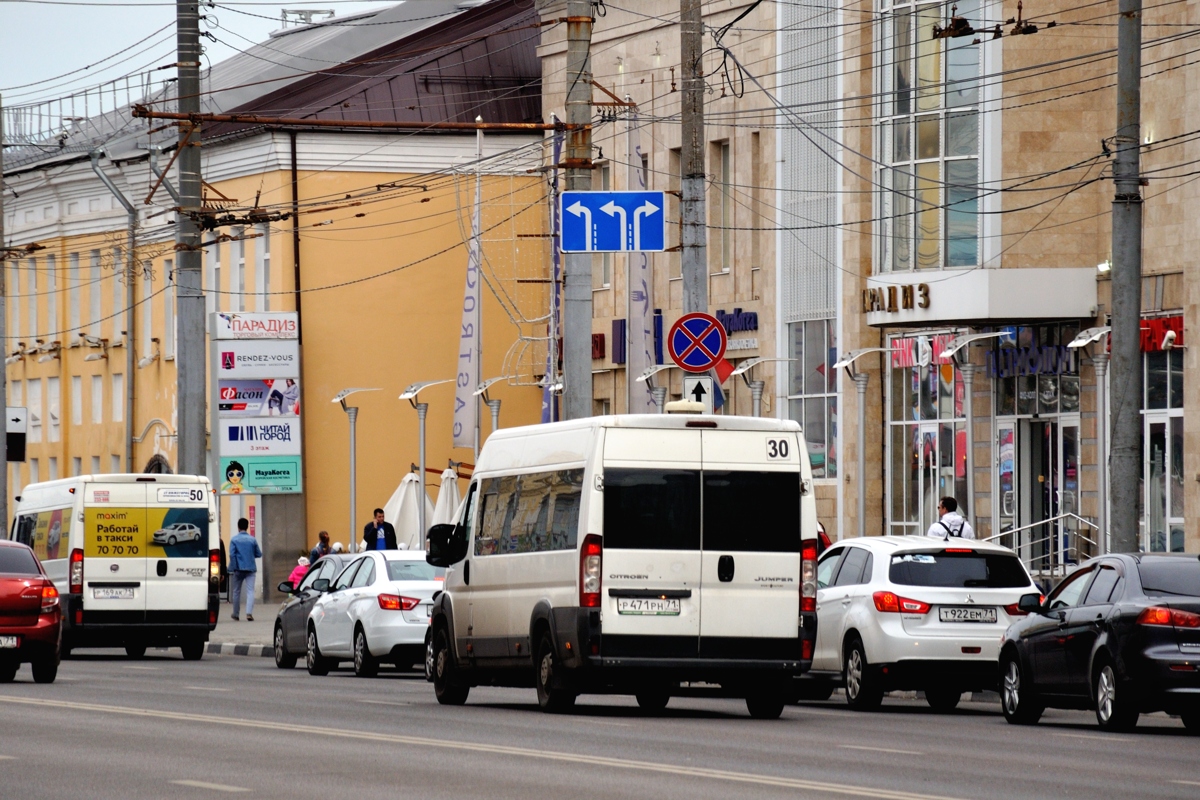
951	524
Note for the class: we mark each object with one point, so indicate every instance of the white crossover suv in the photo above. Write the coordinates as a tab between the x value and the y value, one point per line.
912	612
376	610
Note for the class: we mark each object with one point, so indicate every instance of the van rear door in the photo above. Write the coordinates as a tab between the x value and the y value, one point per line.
114	553
177	546
751	564
650	598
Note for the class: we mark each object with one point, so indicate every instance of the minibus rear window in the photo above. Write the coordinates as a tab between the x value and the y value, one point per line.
651	509
752	511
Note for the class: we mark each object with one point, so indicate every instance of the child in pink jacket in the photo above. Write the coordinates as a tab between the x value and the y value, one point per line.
298	573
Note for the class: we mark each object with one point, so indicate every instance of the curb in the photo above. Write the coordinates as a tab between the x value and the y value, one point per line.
228	649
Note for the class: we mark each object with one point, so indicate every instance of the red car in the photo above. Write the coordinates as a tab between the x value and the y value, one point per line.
30	616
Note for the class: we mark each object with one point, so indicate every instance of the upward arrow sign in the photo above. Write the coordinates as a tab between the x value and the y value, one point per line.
698	393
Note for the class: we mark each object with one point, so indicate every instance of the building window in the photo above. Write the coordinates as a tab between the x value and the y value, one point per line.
35	473
168	309
97	399
213	285
35	412
262	267
73	300
94	313
31	287
76	399
674	213
147	309
1162	442
118	397
14	289
53	461
238	279
114	464
76	466
51	297
928	139
95	465
53	406
119	284
812	393
927	443
724	187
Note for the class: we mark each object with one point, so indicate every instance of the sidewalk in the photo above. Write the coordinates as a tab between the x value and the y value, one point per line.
244	638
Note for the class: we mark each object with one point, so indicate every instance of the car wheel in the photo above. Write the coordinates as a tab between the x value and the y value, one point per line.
814	689
317	664
193	649
171	540
863	690
429	658
365	664
135	650
551	694
283	659
1115	709
942	698
653	700
1017	697
8	671
45	668
445	686
1191	721
766	703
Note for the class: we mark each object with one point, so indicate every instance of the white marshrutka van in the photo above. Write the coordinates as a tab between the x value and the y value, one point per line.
135	558
630	554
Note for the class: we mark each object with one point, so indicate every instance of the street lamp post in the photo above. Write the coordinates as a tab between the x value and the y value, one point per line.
493	405
659	392
1100	362
860	380
756	387
410	394
352	414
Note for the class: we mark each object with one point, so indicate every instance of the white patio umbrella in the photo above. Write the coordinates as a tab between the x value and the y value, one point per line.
448	499
401	510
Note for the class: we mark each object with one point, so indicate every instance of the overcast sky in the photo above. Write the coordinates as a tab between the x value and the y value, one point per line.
41	40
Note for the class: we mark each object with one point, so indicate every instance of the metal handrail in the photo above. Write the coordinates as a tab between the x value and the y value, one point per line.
1068	515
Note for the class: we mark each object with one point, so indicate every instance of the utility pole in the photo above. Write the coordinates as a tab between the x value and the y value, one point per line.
3	338
190	360
694	255
577	282
1126	461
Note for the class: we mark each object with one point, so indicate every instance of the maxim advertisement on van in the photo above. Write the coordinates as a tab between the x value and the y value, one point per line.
146	532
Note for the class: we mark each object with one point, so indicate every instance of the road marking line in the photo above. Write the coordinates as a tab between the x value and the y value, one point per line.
605	722
150	669
207	689
1187	783
1085	736
492	749
881	750
8	758
216	787
385	702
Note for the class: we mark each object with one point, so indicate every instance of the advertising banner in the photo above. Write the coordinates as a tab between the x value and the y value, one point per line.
146	532
270	436
260	475
249	325
258	358
273	397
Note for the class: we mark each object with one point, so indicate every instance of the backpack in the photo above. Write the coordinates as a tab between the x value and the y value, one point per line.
949	532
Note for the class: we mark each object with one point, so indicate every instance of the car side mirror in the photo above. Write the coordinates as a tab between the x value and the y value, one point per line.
286	587
321	585
447	545
1031	603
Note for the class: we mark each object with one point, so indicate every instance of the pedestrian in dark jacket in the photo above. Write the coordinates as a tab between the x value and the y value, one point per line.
379	534
243	550
322	548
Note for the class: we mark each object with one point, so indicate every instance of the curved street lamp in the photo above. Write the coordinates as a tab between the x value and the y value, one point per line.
860	380
352	413
410	394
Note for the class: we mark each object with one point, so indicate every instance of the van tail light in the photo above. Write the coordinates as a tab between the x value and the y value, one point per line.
76	571
49	598
1168	617
808	576
396	602
214	570
590	567
893	603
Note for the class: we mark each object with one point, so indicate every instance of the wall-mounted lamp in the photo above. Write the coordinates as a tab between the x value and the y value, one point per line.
150	359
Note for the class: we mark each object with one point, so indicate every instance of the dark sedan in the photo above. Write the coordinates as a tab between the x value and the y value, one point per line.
30	615
1120	635
291	623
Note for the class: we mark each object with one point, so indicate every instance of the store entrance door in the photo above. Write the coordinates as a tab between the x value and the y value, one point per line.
1039	483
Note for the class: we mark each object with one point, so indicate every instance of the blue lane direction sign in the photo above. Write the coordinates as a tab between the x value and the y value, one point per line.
696	342
613	222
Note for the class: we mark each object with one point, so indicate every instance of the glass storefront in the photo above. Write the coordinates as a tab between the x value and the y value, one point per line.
1162	443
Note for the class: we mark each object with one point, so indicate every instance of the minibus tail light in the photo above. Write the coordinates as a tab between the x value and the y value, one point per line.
590	558
76	573
214	570
808	576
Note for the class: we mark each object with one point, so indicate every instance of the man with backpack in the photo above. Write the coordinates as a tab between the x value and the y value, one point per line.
951	525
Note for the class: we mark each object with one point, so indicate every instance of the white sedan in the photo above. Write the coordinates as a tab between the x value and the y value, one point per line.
375	610
912	612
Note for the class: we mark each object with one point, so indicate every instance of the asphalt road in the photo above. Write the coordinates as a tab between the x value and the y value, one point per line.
228	725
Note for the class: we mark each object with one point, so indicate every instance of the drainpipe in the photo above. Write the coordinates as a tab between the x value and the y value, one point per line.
130	308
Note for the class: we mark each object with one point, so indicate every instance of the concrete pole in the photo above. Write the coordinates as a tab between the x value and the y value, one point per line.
494	405
577	281
1100	362
860	380
1126	469
352	412
968	374
477	226
190	361
756	395
3	338
422	410
694	251
660	398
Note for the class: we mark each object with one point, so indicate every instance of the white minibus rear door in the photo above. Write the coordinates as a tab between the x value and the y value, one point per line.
114	553
751	565
650	601
177	549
